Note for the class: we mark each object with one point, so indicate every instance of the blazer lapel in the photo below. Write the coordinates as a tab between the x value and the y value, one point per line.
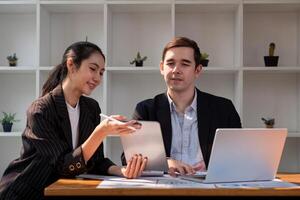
164	117
63	114
203	115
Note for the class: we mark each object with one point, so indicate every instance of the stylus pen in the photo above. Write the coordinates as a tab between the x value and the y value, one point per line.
115	120
111	118
121	121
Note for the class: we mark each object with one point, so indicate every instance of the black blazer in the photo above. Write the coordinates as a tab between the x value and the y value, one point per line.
212	112
47	153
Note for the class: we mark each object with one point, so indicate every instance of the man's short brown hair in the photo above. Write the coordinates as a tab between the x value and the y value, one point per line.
183	42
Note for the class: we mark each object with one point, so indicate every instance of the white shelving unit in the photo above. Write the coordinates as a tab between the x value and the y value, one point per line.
235	34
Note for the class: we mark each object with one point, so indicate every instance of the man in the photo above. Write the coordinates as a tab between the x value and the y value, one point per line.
188	117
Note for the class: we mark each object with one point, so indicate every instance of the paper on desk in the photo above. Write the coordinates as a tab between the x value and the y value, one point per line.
145	182
276	183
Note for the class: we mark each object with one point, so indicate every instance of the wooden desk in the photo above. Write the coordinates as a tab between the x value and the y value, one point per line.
77	187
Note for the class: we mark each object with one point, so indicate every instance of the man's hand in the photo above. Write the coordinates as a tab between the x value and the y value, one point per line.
200	166
179	167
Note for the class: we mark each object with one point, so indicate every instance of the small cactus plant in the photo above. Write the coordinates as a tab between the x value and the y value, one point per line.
269	122
271	60
12	59
204	59
272	48
204	56
138	60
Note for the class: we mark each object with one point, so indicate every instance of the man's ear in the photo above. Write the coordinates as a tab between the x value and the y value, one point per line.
198	70
70	65
161	67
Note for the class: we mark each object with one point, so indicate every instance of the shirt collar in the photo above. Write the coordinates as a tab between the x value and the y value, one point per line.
193	104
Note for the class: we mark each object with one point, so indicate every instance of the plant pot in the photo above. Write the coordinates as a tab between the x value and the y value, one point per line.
271	61
269	126
13	63
204	63
139	64
7	127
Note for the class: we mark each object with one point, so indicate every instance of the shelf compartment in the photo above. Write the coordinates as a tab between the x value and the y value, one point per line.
65	23
137	27
18	33
129	89
220	41
266	23
16	96
274	95
219	84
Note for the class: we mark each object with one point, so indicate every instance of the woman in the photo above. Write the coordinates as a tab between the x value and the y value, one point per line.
63	137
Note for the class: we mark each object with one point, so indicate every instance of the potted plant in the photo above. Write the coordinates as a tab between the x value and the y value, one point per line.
269	122
12	60
271	60
7	121
203	59
138	60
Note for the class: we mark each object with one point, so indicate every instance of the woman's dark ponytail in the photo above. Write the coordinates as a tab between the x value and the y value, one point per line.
55	78
78	51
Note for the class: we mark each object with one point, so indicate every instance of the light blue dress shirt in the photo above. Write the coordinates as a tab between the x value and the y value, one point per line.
185	141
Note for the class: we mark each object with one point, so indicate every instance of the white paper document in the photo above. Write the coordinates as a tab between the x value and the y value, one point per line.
165	181
276	183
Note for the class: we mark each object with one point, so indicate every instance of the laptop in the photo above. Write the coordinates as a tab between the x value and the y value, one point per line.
246	154
147	141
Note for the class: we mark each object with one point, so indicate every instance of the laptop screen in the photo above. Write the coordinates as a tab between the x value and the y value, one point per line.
245	154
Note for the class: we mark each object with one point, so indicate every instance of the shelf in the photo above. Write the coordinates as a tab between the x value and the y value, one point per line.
72	2
293	134
271	6
113	136
149	69
17	69
133	69
17	7
46	68
10	134
220	70
271	69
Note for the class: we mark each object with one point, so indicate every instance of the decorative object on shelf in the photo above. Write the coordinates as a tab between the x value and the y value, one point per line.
203	59
269	122
138	60
7	121
12	60
271	60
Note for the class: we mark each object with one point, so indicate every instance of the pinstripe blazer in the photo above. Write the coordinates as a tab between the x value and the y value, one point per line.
47	153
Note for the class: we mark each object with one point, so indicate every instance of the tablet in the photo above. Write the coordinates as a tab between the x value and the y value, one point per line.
147	141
